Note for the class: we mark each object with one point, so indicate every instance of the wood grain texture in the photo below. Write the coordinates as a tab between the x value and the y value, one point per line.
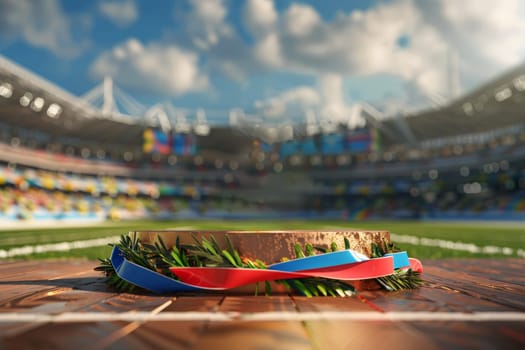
459	286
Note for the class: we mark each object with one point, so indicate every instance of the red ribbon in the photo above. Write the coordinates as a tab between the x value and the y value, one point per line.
415	265
227	277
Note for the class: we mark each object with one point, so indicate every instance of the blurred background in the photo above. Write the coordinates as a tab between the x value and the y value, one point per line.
261	109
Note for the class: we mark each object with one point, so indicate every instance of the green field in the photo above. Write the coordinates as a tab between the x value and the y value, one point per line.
495	235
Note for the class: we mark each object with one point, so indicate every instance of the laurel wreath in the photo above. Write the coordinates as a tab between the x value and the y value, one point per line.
207	252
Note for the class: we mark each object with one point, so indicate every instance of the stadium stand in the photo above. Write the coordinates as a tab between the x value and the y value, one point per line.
62	159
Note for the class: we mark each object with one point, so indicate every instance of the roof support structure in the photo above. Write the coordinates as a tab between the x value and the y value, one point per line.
373	116
157	115
404	129
108	106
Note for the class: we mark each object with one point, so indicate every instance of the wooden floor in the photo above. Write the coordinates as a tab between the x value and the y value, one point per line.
466	304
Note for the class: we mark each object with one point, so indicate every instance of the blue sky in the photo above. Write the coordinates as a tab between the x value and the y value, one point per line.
275	60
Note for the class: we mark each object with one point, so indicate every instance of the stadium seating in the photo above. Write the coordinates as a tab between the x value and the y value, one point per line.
487	190
465	160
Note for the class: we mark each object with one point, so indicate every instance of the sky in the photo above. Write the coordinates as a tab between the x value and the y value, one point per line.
274	60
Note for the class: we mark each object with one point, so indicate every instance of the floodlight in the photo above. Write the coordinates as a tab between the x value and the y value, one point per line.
315	160
6	90
519	83
433	174
198	160
503	94
26	99
219	163
296	160
468	108
342	159
202	129
128	156
234	165
85	152
101	154
37	104
54	110
472	188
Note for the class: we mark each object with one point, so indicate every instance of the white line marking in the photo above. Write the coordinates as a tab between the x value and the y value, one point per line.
65	246
397	238
57	247
456	245
134	316
422	241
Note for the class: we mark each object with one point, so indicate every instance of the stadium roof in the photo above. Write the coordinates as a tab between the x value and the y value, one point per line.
31	102
497	104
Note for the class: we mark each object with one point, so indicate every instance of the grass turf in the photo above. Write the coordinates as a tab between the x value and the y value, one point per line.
481	234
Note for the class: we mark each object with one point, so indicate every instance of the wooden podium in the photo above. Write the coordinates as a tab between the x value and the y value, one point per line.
272	246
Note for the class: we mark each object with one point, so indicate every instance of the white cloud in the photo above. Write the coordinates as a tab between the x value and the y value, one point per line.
301	20
207	31
206	23
121	12
360	43
406	38
486	37
268	51
326	101
165	69
260	16
41	24
291	102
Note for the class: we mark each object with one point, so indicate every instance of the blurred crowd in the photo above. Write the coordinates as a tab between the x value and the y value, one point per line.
437	180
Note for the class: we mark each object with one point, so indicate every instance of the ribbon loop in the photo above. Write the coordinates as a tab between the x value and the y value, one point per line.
346	265
145	278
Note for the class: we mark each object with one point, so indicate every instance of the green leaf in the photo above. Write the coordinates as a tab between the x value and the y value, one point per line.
268	288
260	264
208	246
207	258
208	252
321	249
230	258
347	243
237	257
250	264
340	292
177	258
401	279
322	289
301	287
309	249
298	250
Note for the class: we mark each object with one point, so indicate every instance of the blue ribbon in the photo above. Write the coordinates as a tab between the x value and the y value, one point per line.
160	284
145	278
341	257
400	259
